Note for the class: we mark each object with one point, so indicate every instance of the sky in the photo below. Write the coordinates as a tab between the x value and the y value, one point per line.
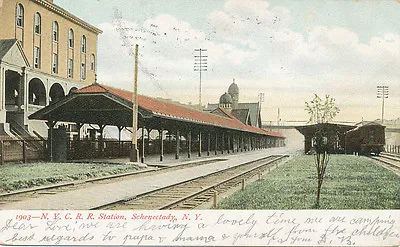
287	49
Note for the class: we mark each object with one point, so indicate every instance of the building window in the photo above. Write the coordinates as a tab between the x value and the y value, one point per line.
71	38
70	68
55	31
83	44
92	62
83	71
38	21
55	63
36	57
20	15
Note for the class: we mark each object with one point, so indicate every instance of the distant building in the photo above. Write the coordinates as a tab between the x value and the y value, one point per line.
247	113
45	52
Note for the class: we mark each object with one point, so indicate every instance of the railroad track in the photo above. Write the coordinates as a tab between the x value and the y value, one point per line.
192	193
390	162
36	192
390	156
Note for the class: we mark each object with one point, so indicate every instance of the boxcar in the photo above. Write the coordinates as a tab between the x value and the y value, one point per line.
366	139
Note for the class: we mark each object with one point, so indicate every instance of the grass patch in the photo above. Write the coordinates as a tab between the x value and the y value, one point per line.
20	176
350	182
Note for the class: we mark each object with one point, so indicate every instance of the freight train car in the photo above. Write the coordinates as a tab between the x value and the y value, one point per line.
366	139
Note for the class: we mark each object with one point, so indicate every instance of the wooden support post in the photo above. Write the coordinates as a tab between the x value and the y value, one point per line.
169	141
24	155
178	138
241	142
77	144
233	143
160	134
200	142
215	199
120	128
223	143
101	140
143	144
229	144
216	143
51	125
243	184
189	144
209	144
1	152
148	138
78	129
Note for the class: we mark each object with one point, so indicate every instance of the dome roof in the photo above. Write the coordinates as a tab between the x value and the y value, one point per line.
225	99
233	89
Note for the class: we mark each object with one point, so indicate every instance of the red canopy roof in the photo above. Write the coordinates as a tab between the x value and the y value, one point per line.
171	110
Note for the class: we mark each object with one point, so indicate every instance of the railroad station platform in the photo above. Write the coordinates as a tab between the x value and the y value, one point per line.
169	160
101	194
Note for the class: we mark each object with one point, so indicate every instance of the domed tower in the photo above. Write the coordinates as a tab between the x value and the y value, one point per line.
225	101
233	91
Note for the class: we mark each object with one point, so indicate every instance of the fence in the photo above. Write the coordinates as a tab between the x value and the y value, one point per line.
86	149
25	150
395	149
21	150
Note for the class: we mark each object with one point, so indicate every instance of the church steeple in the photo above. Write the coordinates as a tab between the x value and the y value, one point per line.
233	91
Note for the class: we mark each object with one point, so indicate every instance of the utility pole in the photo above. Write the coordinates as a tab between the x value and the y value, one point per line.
382	92
134	157
200	65
260	99
279	117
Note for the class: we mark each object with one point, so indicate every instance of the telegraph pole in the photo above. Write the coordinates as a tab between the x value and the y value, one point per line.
382	92
134	157
200	65
279	118
260	100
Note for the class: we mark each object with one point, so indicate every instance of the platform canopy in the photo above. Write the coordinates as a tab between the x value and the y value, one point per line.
98	107
307	130
104	105
333	132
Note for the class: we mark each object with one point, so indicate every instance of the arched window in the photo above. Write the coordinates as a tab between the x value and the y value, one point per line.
55	31
71	38
92	62
83	44
19	15
38	24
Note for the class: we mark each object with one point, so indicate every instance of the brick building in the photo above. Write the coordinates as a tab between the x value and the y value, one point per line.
45	52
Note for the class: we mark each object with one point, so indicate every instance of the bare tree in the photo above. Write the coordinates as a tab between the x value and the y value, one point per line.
321	112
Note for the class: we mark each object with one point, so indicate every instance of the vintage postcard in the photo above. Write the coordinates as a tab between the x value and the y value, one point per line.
200	123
